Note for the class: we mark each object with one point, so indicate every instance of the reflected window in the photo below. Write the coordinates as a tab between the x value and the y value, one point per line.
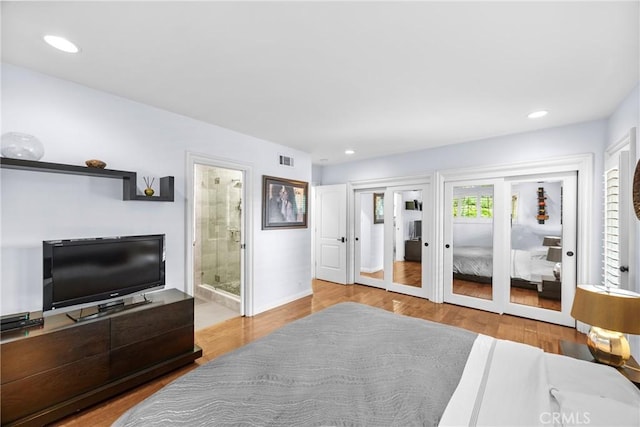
473	206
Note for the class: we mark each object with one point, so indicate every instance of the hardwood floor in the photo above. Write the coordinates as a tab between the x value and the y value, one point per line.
404	272
410	273
518	295
234	333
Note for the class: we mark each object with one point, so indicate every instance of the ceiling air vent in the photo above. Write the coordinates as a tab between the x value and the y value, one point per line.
286	160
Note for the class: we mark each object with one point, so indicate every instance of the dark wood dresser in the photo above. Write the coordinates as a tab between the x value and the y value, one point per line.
62	367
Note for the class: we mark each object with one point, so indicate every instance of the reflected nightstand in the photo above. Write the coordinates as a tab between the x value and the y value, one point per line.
581	351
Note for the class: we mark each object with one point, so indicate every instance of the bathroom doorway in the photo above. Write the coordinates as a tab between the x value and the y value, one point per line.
218	196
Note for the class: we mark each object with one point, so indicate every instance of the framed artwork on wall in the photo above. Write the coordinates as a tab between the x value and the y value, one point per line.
284	203
378	208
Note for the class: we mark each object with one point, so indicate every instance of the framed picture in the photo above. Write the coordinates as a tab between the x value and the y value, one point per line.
285	203
378	208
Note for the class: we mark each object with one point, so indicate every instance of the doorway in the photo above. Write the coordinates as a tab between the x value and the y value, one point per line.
217	243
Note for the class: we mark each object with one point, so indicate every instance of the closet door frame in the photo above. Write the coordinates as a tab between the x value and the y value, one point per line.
426	264
569	240
496	303
429	260
582	164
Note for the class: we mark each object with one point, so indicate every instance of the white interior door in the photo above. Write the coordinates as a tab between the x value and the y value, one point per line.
619	216
331	233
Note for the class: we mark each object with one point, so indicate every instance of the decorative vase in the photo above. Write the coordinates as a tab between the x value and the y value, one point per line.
148	191
16	145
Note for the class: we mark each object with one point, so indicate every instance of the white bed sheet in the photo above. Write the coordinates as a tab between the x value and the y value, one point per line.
528	265
506	384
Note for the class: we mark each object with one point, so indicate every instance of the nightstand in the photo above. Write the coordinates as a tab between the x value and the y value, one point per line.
581	351
551	288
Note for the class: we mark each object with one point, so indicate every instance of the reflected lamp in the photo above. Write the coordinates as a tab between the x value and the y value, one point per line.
554	254
611	312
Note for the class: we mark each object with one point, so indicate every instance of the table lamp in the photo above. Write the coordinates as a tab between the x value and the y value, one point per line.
611	312
554	253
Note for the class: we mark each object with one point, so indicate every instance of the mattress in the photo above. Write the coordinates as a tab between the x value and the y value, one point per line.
528	265
351	364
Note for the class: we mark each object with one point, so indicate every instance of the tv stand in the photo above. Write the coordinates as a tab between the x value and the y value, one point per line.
105	309
64	366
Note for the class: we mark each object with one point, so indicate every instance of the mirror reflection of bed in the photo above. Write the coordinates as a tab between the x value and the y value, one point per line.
472	267
535	245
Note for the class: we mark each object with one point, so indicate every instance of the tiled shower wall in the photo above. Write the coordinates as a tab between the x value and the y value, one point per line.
217	214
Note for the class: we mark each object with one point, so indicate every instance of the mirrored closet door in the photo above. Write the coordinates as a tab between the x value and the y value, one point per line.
542	247
509	245
392	245
471	235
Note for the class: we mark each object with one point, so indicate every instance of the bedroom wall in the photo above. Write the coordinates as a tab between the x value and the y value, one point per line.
580	138
526	232
76	123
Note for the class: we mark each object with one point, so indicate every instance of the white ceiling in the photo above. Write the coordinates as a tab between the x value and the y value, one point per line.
377	77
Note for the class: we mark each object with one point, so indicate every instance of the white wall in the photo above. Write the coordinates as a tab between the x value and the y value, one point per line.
570	140
526	232
76	123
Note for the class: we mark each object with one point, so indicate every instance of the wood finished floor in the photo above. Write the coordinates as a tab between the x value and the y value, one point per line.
410	273
234	333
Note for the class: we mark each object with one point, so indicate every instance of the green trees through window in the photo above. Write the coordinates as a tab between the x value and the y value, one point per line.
473	207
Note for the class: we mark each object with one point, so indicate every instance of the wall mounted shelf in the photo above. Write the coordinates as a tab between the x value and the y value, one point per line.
129	179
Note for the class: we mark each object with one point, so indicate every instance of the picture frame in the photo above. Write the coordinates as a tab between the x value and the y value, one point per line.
378	208
285	203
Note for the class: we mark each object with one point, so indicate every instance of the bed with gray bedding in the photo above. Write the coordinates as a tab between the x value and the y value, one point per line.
349	364
355	365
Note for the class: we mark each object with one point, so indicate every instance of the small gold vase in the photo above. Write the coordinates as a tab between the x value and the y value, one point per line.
148	192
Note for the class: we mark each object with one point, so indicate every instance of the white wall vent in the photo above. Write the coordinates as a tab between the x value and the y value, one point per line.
286	160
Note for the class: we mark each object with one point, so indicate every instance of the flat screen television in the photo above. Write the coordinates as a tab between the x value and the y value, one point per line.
417	229
82	272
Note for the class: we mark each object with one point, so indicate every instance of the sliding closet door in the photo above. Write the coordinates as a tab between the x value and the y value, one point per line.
408	251
543	247
393	231
370	238
473	276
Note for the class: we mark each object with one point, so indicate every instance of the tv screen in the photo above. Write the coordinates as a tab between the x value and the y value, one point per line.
80	271
417	229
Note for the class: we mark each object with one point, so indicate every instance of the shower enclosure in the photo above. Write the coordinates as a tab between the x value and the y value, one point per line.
218	214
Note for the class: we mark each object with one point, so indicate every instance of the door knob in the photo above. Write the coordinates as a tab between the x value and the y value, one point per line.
624	268
341	239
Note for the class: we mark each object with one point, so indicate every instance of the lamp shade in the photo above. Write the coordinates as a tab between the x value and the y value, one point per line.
609	308
551	241
554	253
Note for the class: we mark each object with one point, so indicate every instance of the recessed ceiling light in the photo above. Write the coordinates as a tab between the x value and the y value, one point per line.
324	160
61	43
537	114
349	152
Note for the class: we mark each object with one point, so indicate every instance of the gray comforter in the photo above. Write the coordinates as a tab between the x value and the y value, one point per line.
347	365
